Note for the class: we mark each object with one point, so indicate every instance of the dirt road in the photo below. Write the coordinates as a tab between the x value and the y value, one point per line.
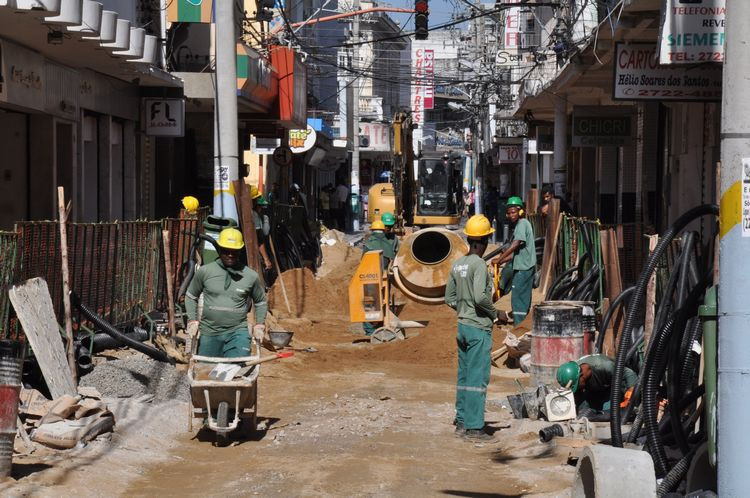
361	420
352	419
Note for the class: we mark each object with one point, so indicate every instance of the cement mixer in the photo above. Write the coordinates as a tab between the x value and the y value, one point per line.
420	271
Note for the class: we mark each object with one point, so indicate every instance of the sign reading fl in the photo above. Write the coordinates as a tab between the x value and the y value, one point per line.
164	117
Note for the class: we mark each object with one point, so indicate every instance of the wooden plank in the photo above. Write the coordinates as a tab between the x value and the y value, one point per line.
532	201
554	218
63	214
34	310
169	281
247	225
648	327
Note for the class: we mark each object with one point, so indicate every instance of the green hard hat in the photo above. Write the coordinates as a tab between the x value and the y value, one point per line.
514	201
261	201
569	372
388	219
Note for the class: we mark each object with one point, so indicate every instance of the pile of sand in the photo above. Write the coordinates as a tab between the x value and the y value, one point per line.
338	255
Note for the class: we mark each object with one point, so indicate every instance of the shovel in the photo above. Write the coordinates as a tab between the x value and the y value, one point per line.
249	365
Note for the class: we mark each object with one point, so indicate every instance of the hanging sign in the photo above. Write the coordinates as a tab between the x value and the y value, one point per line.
638	76
302	140
692	32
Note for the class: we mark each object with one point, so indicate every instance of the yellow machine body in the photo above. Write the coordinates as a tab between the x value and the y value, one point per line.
436	220
381	199
368	290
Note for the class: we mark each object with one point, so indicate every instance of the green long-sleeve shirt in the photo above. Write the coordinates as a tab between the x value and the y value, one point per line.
225	310
377	241
469	292
602	368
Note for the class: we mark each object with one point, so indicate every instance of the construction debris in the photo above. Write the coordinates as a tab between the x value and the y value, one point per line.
136	376
72	420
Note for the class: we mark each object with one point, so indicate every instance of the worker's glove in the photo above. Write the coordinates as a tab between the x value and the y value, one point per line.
259	331
192	328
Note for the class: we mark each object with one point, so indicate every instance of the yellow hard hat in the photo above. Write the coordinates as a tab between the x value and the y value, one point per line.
478	226
190	204
254	192
230	238
377	225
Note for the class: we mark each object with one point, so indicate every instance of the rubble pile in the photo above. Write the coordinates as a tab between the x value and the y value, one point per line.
137	376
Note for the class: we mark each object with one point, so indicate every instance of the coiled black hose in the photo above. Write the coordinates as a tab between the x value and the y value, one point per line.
691	358
621	299
107	328
653	370
191	262
635	306
553	288
580	291
675	476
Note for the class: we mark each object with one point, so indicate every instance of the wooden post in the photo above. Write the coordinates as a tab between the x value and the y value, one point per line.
281	280
247	225
169	276
648	327
554	222
63	214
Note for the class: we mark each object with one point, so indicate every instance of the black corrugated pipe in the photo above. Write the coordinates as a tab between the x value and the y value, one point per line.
691	357
107	328
675	476
191	262
621	299
100	342
653	371
637	301
553	288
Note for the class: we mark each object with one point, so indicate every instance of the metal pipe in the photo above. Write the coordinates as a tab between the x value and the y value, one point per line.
734	305
707	312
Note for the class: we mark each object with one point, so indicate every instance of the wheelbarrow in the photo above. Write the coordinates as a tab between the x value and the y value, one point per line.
215	400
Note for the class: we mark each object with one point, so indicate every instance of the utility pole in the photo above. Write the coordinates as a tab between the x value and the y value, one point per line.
479	126
354	203
226	141
734	246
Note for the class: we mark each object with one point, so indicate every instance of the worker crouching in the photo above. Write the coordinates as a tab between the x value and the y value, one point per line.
590	379
469	292
229	291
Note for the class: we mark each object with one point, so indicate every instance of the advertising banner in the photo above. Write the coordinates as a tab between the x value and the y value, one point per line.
639	76
692	31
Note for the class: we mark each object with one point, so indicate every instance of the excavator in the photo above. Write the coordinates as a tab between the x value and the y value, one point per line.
432	196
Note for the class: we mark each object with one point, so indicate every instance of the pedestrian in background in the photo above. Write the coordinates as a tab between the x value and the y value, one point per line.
325	206
342	195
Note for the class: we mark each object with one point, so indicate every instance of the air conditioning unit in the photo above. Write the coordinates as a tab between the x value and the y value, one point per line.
364	141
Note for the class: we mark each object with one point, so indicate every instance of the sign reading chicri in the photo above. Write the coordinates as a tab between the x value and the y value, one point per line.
692	32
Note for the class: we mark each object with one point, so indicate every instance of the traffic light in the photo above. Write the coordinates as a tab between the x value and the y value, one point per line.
264	10
421	28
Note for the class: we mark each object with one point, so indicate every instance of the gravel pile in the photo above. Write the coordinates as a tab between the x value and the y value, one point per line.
136	376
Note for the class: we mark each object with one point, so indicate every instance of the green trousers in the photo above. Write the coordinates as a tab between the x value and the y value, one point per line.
474	347
231	344
519	284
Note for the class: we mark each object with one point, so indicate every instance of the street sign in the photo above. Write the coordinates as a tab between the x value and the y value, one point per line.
164	117
282	155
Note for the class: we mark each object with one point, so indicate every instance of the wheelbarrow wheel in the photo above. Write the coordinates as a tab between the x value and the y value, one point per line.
384	334
222	420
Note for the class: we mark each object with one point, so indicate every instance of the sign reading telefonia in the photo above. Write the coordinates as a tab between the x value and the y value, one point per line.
692	32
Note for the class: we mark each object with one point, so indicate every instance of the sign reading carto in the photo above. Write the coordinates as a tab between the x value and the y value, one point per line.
302	140
638	76
692	31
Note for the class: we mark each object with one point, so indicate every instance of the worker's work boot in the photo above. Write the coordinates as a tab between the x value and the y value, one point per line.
460	429
477	435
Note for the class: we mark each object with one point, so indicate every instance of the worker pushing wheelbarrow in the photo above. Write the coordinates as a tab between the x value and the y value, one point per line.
224	373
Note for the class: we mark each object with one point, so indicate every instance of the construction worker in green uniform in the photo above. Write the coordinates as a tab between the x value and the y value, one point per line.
590	379
469	292
377	241
262	225
229	290
518	275
390	234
